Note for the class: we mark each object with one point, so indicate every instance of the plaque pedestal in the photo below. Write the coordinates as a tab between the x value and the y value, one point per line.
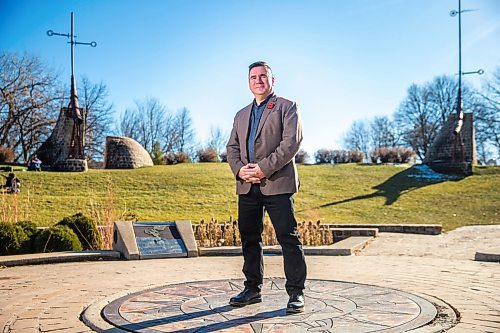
149	240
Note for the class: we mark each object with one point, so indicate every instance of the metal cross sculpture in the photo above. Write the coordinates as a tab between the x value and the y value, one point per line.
73	111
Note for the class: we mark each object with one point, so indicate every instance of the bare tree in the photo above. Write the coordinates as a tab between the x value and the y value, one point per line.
186	132
487	117
98	117
217	139
144	122
128	122
443	95
417	119
170	134
383	133
150	123
425	109
358	137
29	99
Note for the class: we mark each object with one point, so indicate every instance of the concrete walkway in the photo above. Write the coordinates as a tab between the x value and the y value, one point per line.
50	298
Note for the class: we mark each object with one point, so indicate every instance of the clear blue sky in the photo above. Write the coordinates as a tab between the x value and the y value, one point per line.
340	60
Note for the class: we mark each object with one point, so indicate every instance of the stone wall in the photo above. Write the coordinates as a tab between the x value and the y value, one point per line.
72	165
445	153
122	152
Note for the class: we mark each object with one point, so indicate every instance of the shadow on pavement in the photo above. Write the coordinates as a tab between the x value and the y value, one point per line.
148	326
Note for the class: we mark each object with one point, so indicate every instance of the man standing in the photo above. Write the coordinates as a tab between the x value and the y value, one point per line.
261	151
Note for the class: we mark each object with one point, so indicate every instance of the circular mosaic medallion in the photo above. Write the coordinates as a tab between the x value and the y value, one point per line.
331	306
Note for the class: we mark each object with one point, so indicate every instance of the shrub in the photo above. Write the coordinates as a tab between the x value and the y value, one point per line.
223	157
356	156
302	156
92	164
406	155
323	156
86	230
12	238
28	227
175	158
340	156
207	155
392	155
31	231
57	238
157	154
6	155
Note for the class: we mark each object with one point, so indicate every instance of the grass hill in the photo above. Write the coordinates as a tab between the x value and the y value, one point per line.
330	193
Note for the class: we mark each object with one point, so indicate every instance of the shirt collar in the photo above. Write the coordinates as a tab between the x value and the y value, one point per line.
264	102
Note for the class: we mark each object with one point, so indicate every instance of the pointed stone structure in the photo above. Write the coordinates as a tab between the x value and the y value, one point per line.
64	149
454	152
59	149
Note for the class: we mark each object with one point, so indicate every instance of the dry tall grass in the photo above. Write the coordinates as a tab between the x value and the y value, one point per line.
104	211
214	233
14	208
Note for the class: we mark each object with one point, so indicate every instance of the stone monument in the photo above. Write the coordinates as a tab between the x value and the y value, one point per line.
454	149
64	149
122	152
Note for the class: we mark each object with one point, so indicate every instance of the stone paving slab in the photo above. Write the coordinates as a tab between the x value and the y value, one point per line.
438	267
461	243
470	287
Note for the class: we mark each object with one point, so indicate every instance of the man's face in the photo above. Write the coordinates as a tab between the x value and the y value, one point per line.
260	81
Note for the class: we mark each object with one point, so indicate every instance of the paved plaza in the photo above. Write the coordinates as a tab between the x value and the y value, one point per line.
398	283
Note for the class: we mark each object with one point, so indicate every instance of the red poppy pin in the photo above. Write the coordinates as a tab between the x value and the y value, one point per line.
270	105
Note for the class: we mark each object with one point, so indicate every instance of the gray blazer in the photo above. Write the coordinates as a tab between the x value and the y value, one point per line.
277	142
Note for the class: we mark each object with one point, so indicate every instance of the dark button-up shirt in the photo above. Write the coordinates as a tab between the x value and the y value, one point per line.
255	116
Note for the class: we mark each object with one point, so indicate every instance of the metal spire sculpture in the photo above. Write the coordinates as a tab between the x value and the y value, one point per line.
459	151
77	114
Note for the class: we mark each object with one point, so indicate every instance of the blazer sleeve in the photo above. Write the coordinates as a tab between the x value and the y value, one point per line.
233	150
289	145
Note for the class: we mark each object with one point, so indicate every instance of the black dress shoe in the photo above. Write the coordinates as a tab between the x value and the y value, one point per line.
246	297
295	303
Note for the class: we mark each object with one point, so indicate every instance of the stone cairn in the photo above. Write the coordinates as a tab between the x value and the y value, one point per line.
454	152
56	152
64	150
122	152
213	233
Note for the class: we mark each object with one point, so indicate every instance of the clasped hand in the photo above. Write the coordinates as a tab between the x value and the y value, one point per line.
251	173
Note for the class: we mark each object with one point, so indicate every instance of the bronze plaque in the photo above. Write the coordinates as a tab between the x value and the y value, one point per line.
159	240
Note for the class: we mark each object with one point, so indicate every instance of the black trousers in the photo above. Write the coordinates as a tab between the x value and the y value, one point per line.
251	209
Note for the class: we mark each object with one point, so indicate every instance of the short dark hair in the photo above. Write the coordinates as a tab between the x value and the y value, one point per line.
259	64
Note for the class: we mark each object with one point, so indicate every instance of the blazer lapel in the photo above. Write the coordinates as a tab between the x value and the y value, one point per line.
271	105
244	125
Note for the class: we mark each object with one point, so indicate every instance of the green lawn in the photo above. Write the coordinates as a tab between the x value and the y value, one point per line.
330	193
